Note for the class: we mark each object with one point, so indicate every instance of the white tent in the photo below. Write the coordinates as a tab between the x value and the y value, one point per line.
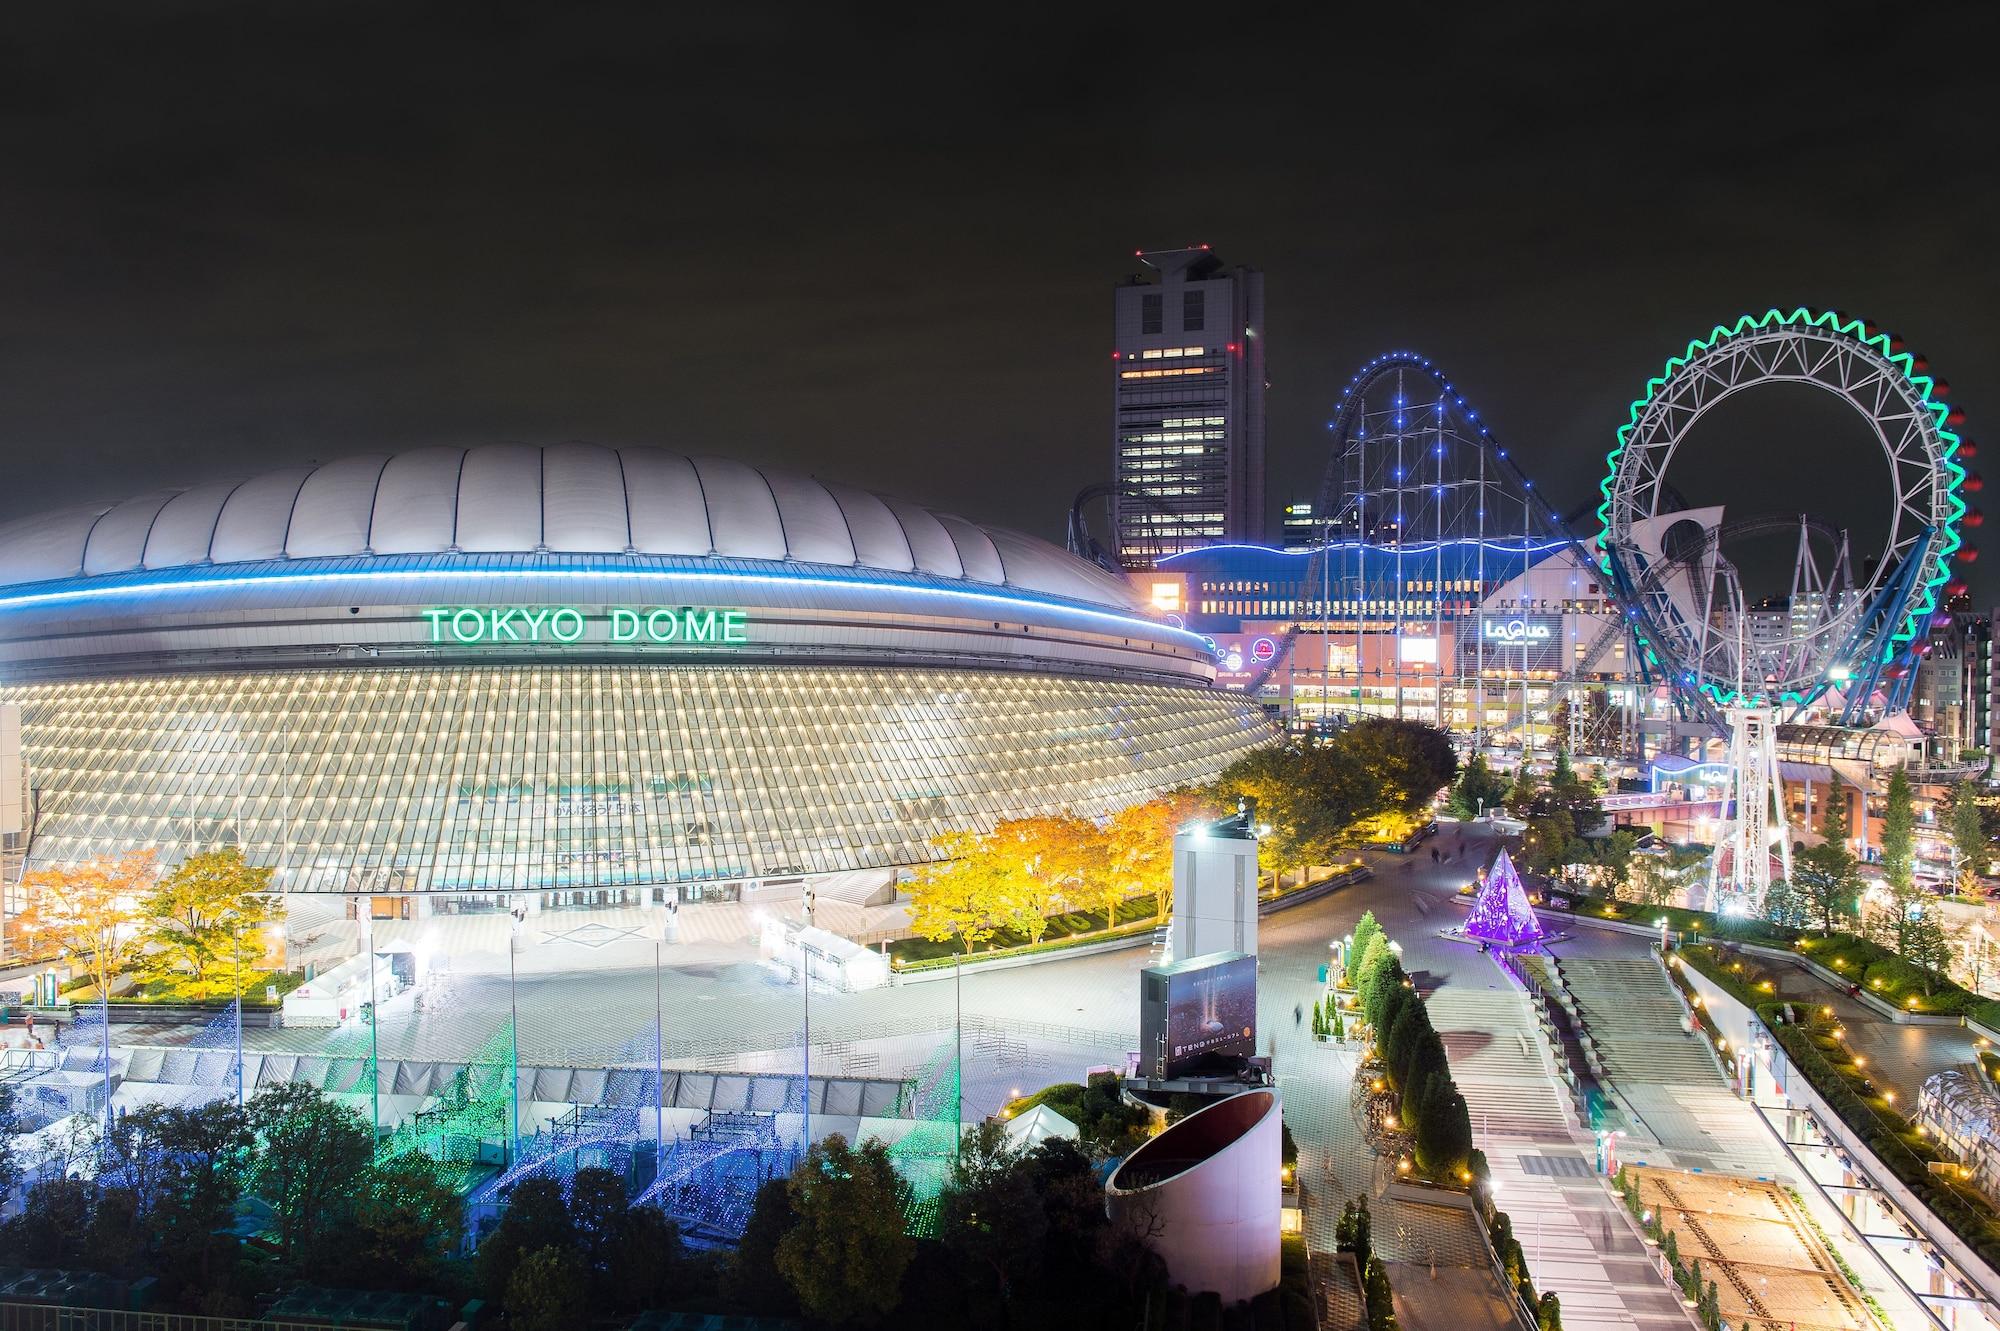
1039	1124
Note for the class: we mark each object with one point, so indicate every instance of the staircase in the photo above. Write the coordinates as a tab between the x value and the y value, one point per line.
1634	1020
1496	1058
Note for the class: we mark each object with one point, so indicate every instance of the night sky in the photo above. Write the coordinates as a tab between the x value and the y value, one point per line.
880	244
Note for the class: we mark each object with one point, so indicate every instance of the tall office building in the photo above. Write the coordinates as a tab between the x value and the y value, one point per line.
1188	414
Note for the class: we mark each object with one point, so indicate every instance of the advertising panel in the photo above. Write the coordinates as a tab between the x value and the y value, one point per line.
1198	1017
1420	650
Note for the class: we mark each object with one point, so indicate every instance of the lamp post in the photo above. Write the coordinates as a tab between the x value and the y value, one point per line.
806	954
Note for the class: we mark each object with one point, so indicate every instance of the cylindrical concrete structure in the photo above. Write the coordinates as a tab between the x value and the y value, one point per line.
1207	1194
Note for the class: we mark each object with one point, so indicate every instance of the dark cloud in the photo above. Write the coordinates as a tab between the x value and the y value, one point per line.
879	242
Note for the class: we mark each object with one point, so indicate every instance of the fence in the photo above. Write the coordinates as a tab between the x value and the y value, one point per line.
41	1317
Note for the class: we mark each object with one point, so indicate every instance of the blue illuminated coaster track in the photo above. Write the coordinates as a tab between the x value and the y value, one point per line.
1864	636
1423	404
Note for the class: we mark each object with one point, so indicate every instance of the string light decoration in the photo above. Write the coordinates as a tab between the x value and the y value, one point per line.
1501	914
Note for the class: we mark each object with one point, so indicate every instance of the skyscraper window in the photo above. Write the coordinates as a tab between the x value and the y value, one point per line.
1193	310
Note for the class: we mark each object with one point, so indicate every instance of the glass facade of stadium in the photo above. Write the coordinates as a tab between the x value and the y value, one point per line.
593	784
509	677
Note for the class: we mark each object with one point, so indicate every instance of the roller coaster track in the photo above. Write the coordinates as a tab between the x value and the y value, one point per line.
1634	616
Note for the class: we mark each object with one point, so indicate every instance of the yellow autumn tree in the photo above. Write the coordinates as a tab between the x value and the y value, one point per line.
1056	856
967	895
1139	847
88	914
204	927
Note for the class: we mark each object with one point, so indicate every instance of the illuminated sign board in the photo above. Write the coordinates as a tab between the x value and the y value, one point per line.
666	626
1516	630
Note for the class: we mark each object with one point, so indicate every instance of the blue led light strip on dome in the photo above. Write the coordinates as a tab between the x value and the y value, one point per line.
168	586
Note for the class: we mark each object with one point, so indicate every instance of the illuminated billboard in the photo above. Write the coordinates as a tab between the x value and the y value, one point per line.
1198	1017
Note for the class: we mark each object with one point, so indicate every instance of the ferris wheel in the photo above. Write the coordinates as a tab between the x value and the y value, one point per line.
1843	629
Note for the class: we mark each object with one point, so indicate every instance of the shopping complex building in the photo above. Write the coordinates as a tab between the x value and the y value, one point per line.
521	677
1480	637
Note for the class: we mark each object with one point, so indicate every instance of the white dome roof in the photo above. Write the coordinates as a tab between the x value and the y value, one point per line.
560	499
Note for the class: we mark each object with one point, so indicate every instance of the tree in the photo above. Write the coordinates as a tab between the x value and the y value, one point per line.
546	1291
1139	846
400	1226
537	1218
1827	879
1527	788
203	926
1365	930
845	1255
751	1277
1662	880
1407	762
1927	945
10	1165
313	1150
1310	796
968	895
1479	788
1785	905
990	1215
1833	822
1053	857
90	914
183	1169
1899	827
1968	833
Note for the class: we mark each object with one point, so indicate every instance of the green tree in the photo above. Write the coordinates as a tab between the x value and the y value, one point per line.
1525	791
1927	945
312	1152
546	1291
203	926
750	1277
1785	905
1899	831
1478	789
10	1164
1827	879
1444	1130
1406	762
184	1168
1366	930
399	1227
845	1255
990	1216
1968	832
537	1218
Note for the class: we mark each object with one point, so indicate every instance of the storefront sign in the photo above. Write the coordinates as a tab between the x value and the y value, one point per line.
563	624
1516	630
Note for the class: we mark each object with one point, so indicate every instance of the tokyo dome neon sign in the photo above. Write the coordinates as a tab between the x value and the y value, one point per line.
566	624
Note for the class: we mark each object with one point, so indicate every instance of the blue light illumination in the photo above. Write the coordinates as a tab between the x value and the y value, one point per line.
188	581
1367	547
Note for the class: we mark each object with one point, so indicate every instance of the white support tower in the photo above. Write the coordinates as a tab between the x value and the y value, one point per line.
1760	805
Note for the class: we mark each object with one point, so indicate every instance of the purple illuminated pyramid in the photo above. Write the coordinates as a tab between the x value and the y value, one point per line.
1500	912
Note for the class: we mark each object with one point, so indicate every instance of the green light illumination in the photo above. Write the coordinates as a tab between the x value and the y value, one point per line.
664	626
1856	331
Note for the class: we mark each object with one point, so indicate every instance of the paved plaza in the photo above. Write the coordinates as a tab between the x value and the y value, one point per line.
597	990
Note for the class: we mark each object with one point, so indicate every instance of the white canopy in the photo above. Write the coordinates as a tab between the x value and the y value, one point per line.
1039	1124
